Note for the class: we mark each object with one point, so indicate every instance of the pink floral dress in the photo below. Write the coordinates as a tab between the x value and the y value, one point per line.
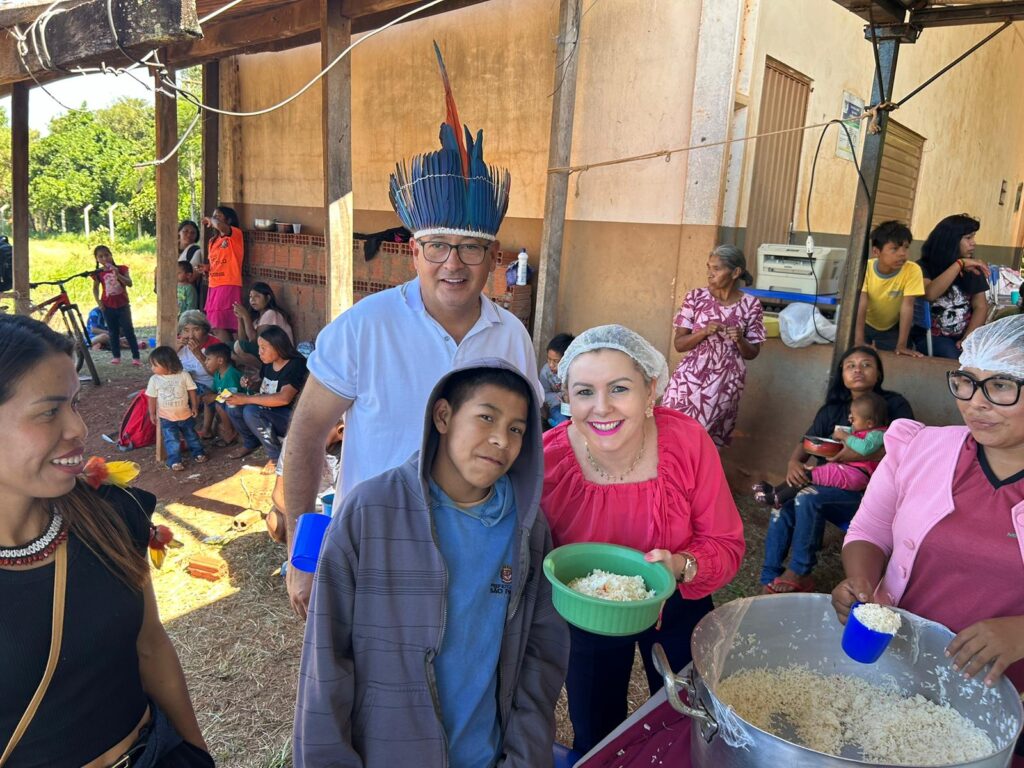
709	380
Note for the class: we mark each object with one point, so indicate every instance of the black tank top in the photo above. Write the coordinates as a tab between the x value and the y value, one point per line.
95	698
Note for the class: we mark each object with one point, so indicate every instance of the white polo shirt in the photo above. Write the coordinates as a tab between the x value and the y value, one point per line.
386	354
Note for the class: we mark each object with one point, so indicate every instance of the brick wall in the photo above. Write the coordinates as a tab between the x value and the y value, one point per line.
293	265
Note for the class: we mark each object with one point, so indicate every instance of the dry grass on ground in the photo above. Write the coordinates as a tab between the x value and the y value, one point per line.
238	640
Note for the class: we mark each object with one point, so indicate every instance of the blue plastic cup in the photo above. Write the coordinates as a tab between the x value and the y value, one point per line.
327	501
152	342
860	643
309	538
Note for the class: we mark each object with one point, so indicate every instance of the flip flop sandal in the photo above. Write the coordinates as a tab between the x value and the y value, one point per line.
178	467
772	587
202	458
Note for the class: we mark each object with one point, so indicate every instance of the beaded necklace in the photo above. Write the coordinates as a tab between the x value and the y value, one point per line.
40	547
607	476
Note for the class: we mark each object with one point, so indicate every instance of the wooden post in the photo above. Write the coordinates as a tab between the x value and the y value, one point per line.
166	217
211	159
19	193
336	88
559	154
211	141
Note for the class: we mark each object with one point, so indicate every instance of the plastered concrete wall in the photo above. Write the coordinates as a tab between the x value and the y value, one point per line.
275	158
626	255
785	388
972	118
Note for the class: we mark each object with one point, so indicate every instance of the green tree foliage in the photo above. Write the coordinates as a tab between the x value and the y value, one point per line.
5	158
94	156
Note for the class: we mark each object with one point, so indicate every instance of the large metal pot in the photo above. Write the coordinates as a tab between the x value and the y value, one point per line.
780	630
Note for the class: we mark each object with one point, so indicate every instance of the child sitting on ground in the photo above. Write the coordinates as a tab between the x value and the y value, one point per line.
475	654
869	416
188	297
551	411
225	377
885	314
172	398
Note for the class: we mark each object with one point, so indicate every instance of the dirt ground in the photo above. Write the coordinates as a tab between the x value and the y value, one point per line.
238	640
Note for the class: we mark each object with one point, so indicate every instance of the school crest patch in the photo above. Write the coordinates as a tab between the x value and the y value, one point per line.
506	574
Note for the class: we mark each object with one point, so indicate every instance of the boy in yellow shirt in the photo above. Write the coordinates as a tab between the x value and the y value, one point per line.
891	283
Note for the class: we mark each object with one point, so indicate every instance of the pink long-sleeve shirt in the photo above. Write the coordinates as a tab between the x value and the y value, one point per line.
687	507
910	492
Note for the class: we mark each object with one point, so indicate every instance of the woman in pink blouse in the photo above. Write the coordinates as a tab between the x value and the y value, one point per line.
941	528
627	472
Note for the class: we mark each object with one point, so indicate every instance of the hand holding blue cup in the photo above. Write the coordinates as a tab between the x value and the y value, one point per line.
861	643
309	538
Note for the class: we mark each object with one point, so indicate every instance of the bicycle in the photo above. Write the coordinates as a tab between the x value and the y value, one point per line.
74	325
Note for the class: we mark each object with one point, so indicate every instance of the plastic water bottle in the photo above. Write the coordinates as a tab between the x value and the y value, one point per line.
522	273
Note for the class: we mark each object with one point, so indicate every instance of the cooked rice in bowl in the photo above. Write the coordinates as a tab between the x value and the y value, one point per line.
611	586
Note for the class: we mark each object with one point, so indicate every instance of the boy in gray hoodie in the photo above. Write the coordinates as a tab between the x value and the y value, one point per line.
431	638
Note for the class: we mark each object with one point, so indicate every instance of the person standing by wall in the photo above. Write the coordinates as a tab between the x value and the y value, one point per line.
718	328
227	250
378	362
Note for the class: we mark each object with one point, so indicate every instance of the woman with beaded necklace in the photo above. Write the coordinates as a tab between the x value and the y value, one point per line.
98	682
627	472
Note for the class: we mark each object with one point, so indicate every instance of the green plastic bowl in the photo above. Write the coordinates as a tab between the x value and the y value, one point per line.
606	617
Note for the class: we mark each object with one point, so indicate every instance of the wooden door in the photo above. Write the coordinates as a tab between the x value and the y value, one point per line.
772	206
897	178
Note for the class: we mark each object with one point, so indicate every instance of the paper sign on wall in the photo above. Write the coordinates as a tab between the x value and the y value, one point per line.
853	108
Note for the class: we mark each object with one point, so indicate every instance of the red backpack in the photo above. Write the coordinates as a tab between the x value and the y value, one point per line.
137	431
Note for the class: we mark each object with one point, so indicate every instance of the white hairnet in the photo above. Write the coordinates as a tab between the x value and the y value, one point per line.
997	347
618	337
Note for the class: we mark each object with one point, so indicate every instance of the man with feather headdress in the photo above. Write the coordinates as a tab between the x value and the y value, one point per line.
378	362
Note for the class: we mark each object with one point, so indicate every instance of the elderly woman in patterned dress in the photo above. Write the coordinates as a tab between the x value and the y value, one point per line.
718	328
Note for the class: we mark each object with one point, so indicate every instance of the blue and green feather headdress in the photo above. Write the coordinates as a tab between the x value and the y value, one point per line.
451	191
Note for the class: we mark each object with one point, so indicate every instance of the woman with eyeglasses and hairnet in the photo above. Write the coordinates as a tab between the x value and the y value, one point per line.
940	531
626	472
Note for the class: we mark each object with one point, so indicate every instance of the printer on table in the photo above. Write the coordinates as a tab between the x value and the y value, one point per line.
790	268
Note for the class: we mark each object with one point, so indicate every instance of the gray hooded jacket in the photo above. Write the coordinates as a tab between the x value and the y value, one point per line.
367	693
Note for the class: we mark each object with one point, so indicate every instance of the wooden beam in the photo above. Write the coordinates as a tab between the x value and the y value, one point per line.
278	28
360	9
211	158
82	35
19	193
211	141
288	26
336	90
559	155
166	217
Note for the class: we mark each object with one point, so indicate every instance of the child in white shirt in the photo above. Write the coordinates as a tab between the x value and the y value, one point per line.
173	399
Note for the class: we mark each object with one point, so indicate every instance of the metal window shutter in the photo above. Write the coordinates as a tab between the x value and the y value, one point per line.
897	180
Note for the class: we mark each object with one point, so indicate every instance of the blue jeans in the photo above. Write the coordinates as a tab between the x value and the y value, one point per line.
885	340
258	425
942	346
119	322
173	432
597	680
797	528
